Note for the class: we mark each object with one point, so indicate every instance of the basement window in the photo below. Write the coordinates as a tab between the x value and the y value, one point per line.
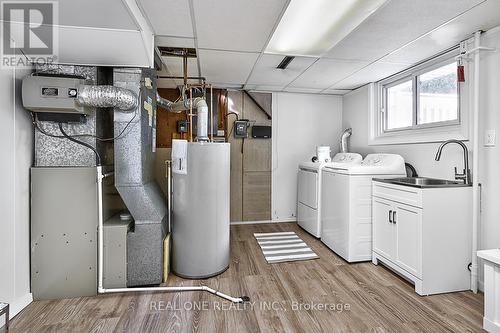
423	104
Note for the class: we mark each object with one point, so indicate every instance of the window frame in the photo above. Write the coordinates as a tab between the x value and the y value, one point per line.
419	133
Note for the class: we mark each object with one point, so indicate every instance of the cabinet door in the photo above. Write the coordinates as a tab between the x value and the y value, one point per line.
408	223
384	241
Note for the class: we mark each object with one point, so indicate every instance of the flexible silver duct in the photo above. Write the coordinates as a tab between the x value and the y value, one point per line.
107	97
198	103
165	103
343	140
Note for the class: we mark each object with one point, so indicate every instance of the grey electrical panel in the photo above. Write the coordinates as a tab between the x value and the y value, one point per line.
64	221
54	94
241	128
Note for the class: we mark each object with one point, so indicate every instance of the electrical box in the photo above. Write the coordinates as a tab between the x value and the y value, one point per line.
241	128
54	94
261	132
182	126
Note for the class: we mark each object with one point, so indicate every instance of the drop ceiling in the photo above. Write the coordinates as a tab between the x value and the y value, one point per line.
231	36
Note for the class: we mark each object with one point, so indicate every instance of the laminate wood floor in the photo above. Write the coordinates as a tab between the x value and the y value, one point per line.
322	295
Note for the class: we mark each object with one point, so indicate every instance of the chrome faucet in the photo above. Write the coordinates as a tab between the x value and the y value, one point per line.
465	176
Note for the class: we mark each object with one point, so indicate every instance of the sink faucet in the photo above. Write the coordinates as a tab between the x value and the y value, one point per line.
465	176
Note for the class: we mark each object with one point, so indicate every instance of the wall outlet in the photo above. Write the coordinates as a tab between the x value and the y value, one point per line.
489	138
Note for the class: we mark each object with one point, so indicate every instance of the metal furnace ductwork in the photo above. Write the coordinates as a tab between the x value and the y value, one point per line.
134	179
107	97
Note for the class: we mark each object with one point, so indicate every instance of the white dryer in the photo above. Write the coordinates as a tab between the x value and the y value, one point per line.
346	214
309	190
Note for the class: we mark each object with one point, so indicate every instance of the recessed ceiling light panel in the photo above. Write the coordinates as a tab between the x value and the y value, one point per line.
310	28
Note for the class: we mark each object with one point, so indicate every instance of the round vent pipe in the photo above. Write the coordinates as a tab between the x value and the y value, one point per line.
343	140
198	103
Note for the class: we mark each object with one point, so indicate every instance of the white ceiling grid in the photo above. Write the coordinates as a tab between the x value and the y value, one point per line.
230	37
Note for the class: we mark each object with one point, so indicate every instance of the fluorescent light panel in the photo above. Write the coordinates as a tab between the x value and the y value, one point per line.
312	27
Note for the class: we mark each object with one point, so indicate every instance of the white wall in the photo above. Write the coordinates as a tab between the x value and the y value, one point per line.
355	115
300	123
16	145
489	157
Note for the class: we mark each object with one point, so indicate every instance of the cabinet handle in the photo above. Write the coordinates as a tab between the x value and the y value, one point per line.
390	216
394	217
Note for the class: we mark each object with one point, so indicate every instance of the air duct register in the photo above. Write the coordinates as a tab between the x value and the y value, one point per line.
55	94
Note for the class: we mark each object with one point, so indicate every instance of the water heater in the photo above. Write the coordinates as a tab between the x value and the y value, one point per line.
200	209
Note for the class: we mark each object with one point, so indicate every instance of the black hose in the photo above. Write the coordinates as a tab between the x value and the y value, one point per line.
97	156
410	170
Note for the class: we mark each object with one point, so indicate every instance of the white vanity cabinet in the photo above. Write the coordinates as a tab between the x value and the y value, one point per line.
423	234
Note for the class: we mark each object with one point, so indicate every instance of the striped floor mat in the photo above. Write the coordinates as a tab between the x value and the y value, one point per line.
283	246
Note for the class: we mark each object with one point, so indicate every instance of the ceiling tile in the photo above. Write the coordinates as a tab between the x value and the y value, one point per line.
482	17
263	87
111	14
394	25
336	91
243	25
303	90
266	73
168	17
372	73
226	67
325	72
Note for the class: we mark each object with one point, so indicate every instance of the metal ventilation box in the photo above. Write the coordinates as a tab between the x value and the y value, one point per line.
54	94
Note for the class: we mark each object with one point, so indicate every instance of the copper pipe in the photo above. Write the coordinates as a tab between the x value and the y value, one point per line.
190	114
211	114
185	62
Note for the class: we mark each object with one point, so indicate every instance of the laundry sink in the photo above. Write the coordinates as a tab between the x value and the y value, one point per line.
423	182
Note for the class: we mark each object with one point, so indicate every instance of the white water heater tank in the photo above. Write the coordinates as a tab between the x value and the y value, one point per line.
200	209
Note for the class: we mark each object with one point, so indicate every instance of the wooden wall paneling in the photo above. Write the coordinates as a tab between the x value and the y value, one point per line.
160	171
236	211
257	152
166	122
256	196
257	155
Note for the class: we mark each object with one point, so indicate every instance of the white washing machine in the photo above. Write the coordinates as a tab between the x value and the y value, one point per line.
346	214
309	190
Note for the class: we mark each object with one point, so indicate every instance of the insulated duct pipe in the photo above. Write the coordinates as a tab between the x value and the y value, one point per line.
107	97
198	103
165	103
343	140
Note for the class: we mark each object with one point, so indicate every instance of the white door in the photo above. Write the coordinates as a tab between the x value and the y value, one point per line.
384	237
308	188
408	223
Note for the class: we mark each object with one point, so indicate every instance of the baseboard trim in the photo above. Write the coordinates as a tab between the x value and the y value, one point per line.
17	306
263	221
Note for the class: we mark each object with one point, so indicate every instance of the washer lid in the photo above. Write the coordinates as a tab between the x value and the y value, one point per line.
311	166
